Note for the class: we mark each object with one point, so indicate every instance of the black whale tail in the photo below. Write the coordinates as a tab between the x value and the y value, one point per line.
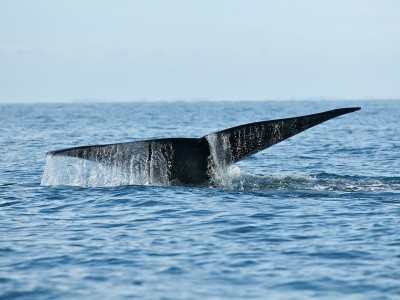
187	160
248	139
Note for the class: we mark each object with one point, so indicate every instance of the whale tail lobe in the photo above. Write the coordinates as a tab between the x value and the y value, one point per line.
248	139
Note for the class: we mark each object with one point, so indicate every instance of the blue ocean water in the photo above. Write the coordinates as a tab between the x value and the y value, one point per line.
314	217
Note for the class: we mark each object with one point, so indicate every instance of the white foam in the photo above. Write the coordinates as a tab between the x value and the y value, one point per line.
138	170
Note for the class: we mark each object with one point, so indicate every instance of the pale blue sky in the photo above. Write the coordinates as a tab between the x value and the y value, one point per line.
60	51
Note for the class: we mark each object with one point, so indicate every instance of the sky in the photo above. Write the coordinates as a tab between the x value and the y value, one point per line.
136	50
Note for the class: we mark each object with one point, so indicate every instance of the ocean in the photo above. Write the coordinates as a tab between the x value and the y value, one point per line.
316	216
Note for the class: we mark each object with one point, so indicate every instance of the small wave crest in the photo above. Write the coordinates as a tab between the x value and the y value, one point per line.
235	178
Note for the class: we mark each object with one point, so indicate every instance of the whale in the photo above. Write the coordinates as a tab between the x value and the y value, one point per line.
195	160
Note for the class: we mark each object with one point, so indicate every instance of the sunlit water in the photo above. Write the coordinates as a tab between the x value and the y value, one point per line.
316	216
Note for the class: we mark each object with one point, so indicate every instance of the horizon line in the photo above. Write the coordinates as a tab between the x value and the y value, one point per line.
189	100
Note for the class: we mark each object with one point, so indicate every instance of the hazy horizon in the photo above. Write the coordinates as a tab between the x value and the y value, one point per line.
157	50
99	101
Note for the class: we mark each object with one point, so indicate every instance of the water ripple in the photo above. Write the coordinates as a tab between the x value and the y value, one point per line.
310	218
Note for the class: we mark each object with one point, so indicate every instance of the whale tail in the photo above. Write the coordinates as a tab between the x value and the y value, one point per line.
187	160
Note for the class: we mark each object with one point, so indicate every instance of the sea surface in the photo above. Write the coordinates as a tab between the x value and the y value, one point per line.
314	217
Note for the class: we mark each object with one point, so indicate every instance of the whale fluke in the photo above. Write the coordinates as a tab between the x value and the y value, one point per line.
248	139
192	160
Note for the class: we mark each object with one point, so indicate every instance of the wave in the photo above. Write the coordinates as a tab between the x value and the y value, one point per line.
239	180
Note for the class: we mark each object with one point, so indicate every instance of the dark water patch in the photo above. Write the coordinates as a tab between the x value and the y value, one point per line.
6	250
172	271
5	280
304	237
163	254
9	203
151	203
264	216
55	209
341	255
240	230
299	285
243	229
147	220
7	184
166	212
97	278
27	294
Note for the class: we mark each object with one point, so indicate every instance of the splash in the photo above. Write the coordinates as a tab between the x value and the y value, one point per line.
150	164
227	176
219	162
145	166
